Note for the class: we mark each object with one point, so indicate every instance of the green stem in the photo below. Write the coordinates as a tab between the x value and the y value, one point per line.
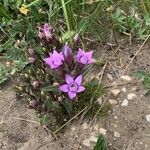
67	19
33	3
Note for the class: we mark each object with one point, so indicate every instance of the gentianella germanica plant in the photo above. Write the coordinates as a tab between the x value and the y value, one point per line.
53	80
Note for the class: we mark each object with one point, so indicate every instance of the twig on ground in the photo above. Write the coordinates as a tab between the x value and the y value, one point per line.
27	120
100	75
2	118
69	120
137	52
113	69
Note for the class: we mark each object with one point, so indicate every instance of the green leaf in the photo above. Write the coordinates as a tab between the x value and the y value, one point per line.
66	36
101	143
51	88
68	106
44	119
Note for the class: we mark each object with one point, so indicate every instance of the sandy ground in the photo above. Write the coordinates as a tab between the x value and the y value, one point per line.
125	128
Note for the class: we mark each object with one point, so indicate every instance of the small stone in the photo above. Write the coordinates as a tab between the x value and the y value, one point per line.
109	76
84	126
100	100
115	92
146	146
102	131
7	64
116	134
93	139
93	133
127	78
86	142
124	89
148	118
115	126
96	127
141	143
112	102
124	103
73	129
115	117
131	96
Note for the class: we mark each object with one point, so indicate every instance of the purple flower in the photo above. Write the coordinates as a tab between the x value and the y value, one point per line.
84	57
47	30
54	60
73	86
67	52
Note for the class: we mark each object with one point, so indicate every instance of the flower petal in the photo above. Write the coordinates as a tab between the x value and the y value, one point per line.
78	80
69	79
79	54
80	89
71	95
89	54
64	88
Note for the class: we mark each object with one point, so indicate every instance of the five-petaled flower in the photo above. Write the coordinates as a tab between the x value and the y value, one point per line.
54	60
72	86
84	57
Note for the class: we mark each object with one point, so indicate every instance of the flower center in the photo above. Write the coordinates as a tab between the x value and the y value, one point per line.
84	59
73	87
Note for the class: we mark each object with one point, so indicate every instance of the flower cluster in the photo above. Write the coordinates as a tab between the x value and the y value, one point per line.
70	67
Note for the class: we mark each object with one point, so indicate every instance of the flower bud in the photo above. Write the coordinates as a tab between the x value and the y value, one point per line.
76	38
33	104
31	52
31	60
36	84
67	52
47	30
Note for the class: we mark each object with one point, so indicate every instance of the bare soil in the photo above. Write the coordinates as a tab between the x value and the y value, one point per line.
126	127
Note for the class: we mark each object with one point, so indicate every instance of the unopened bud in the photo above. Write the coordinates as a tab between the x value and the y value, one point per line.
42	92
56	84
31	60
31	52
76	38
26	75
35	84
33	104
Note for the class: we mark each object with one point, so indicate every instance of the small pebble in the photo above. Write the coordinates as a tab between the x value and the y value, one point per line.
86	142
116	134
148	117
102	131
127	78
115	117
84	126
124	103
141	143
93	139
112	102
73	129
124	89
115	92
109	76
131	96
96	127
100	100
